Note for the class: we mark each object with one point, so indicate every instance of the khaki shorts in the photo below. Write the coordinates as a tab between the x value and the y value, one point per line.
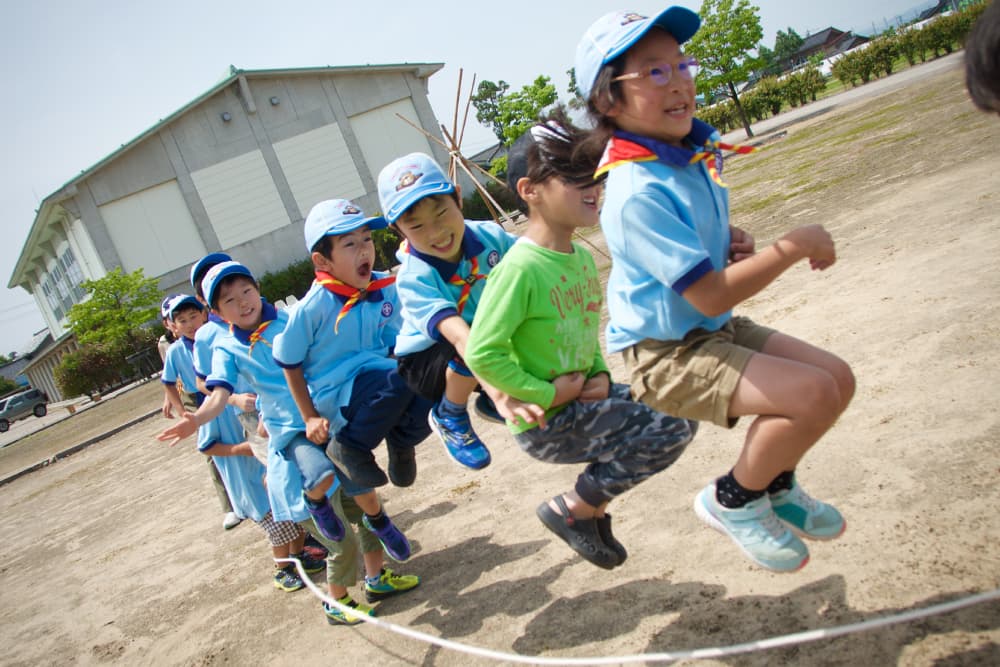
695	378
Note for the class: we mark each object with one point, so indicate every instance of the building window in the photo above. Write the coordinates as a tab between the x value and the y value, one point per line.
73	273
52	298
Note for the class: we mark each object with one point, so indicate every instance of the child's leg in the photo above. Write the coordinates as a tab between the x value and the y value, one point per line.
623	443
449	418
318	474
799	391
380	582
375	519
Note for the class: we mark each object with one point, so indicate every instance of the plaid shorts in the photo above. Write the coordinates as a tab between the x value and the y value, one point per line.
279	532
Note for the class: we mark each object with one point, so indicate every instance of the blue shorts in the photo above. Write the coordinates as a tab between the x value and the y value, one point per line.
311	460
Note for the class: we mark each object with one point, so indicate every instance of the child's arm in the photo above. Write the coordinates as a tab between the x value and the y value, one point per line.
172	400
741	244
220	449
242	402
720	291
189	422
317	427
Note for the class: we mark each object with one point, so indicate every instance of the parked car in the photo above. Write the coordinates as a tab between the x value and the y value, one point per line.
18	406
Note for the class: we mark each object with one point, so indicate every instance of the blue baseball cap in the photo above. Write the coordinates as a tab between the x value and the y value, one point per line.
165	306
406	180
177	301
334	217
613	34
204	264
210	283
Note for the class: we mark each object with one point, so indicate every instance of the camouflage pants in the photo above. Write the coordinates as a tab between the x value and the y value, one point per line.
623	443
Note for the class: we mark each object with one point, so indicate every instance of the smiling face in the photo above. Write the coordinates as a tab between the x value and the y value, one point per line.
562	205
187	322
434	226
238	302
659	112
351	259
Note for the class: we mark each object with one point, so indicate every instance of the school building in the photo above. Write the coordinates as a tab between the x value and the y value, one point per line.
235	170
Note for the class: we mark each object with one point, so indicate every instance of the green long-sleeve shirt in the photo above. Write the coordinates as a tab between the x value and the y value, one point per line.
539	318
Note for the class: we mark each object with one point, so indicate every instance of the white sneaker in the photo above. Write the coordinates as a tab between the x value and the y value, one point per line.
230	521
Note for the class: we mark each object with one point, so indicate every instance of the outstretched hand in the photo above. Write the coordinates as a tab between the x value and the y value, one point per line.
186	427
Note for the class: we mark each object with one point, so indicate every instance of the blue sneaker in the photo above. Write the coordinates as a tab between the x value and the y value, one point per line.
393	541
325	519
460	441
756	530
807	516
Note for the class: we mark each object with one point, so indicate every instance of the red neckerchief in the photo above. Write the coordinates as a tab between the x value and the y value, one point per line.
457	280
353	294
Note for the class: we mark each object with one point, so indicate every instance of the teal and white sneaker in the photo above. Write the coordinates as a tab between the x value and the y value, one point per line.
807	516
756	530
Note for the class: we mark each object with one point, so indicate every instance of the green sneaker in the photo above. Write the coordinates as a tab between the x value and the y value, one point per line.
287	579
390	584
335	616
756	530
807	516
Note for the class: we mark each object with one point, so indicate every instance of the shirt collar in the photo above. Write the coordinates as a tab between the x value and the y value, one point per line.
675	155
471	247
268	313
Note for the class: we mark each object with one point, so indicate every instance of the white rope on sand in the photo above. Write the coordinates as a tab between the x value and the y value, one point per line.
671	656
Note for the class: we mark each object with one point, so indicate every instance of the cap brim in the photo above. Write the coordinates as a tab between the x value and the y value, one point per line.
413	196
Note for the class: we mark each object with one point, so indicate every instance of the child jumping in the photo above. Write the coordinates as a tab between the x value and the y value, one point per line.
536	339
335	352
444	263
679	268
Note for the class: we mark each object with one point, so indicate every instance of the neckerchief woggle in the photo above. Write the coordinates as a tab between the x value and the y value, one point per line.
624	147
372	291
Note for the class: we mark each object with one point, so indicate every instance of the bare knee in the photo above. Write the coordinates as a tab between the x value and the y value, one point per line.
820	400
846	383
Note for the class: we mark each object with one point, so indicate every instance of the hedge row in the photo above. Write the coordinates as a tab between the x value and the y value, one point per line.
766	99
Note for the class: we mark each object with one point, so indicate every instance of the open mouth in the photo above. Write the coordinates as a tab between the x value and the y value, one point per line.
444	246
365	270
679	110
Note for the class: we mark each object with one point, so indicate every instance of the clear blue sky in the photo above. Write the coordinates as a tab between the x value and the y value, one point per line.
82	78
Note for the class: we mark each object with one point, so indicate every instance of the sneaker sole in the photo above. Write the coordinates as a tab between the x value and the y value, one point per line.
378	596
437	432
286	589
812	536
707	517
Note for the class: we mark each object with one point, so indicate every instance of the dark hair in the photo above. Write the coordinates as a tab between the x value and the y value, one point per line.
982	59
555	152
324	246
226	282
604	94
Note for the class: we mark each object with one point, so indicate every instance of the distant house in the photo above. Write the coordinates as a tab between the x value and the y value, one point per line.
825	43
24	370
236	170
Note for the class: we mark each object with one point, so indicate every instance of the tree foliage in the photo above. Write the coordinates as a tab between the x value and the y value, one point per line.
730	30
786	44
120	304
510	114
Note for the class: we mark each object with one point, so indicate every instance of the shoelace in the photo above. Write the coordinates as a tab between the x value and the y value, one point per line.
772	525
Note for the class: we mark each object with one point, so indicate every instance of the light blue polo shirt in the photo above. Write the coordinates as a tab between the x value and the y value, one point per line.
330	359
179	364
233	359
666	227
425	293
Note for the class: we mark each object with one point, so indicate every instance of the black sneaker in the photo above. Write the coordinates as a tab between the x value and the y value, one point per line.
487	409
402	465
310	564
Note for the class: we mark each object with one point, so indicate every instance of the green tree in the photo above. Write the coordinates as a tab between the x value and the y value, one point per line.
730	30
120	304
6	386
786	44
768	61
575	100
510	114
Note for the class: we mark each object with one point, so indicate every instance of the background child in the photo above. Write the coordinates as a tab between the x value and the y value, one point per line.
678	270
178	367
536	339
241	477
445	261
335	350
982	59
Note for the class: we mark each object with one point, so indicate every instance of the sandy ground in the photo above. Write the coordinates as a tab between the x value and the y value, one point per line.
116	554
